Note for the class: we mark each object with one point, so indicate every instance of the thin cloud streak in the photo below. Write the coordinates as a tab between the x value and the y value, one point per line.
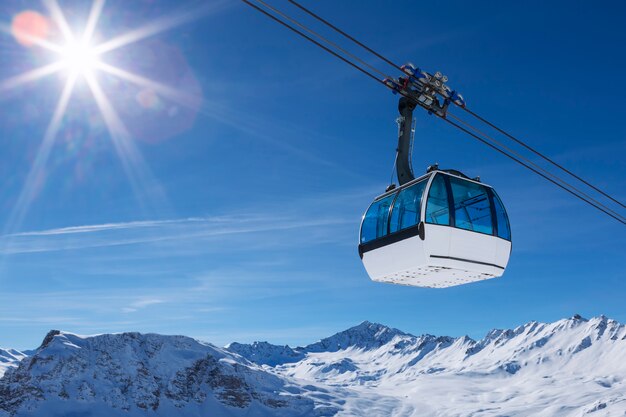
314	213
178	230
102	227
142	303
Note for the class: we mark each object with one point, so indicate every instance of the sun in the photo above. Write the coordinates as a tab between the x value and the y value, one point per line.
79	58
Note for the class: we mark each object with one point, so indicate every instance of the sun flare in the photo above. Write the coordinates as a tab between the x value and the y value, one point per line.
79	58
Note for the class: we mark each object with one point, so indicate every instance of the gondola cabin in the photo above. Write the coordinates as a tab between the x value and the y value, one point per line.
439	230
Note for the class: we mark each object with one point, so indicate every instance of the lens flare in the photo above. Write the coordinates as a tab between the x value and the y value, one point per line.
76	54
30	28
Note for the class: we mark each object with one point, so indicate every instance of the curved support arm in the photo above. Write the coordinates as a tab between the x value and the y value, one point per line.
404	169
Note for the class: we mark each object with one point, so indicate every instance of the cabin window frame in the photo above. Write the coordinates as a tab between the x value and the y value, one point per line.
395	195
448	193
494	197
452	213
412	231
461	183
378	200
424	181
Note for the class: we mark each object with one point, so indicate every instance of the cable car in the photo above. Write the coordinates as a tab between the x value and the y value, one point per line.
439	230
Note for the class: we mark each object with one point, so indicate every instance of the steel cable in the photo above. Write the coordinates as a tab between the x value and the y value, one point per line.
556	182
502	131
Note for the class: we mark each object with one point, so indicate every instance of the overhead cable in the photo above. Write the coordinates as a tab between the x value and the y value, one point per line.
510	136
482	119
480	136
540	171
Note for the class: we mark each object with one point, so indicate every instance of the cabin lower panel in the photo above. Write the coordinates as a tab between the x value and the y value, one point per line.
428	263
437	276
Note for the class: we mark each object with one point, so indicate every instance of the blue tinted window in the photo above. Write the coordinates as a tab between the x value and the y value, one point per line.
406	208
472	210
504	230
437	210
376	219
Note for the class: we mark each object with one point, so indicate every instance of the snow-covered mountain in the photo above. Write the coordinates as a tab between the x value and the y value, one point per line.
364	336
572	367
132	374
10	358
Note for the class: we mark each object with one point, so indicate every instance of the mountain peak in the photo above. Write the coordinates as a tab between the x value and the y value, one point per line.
134	373
131	374
264	353
49	336
366	335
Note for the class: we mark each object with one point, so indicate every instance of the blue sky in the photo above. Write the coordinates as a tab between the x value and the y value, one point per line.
234	215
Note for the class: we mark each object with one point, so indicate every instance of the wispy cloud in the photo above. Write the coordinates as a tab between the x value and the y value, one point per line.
319	214
163	274
102	227
150	232
141	303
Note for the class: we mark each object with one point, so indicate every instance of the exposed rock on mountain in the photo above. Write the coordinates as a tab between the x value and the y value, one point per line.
131	373
572	367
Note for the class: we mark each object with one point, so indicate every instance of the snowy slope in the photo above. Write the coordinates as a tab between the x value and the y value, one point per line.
567	368
132	374
572	367
10	358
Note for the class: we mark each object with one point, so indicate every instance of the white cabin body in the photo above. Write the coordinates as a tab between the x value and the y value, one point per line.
438	230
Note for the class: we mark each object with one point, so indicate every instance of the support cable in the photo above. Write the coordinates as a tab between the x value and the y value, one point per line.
336	29
329	42
458	126
505	133
538	168
502	131
531	168
330	51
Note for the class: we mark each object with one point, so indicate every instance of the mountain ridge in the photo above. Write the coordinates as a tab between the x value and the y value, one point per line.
10	358
369	369
357	337
134	373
